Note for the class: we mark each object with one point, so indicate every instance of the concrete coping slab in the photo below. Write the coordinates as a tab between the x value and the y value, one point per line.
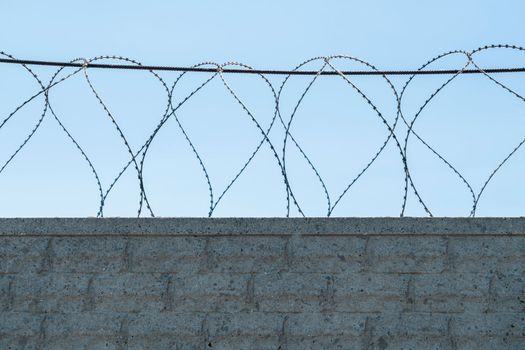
387	226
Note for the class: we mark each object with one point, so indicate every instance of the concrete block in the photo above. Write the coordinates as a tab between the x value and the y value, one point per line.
492	324
243	342
411	342
128	292
14	342
88	254
410	324
371	292
209	292
324	342
406	254
291	292
491	343
320	255
246	254
166	341
21	254
166	254
325	324
165	324
91	342
506	293
81	324
250	325
450	292
487	254
20	324
49	292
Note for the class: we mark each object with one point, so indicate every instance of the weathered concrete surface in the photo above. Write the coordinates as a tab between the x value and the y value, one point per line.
382	283
262	226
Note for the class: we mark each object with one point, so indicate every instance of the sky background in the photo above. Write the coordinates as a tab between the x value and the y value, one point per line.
473	123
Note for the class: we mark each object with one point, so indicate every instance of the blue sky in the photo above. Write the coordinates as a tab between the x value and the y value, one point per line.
473	123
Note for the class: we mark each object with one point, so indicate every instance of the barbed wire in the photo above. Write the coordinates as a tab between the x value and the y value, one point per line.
329	67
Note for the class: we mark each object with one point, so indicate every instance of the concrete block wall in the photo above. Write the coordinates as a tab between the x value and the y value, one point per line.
382	283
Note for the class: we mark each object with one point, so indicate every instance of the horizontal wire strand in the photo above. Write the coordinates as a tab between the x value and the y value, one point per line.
259	71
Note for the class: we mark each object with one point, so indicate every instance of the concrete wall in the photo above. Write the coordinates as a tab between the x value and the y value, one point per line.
262	283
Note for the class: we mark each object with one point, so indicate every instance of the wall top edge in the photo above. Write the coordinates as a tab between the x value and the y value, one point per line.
487	226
